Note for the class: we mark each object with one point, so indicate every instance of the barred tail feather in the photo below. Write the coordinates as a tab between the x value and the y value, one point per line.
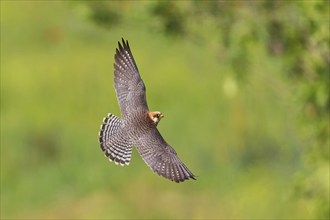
113	142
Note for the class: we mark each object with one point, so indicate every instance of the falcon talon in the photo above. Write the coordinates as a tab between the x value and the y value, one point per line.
138	125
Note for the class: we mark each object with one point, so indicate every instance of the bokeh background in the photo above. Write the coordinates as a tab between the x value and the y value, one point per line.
244	86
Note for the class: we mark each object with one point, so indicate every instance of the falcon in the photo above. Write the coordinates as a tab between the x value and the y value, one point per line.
137	125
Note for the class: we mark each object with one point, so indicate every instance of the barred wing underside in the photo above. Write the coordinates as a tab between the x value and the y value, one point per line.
161	157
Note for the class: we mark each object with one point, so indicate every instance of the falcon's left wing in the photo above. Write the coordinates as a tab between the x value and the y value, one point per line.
130	89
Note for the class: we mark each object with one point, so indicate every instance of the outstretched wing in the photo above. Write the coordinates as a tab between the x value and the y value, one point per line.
161	157
129	86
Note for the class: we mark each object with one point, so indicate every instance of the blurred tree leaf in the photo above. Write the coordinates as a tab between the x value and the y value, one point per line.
172	18
104	13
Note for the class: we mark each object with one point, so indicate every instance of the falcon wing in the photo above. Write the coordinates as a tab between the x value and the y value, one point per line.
161	157
130	89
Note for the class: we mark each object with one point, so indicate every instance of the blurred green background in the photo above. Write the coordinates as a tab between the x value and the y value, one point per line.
244	86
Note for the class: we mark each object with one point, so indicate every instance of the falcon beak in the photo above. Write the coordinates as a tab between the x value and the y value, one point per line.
161	116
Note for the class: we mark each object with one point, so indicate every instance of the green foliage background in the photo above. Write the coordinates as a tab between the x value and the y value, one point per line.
244	86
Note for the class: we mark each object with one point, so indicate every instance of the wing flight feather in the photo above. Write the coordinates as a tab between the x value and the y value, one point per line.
130	89
161	157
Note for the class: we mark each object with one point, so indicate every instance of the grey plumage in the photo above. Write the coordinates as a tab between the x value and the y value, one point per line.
137	126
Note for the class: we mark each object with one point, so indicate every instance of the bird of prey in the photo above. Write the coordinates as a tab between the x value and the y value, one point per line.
138	125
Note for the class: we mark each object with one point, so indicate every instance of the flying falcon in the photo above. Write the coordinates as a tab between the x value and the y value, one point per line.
137	126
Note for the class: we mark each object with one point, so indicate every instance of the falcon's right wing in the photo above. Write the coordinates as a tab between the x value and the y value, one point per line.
161	157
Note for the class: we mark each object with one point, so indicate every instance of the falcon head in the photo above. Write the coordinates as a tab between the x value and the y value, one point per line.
155	117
